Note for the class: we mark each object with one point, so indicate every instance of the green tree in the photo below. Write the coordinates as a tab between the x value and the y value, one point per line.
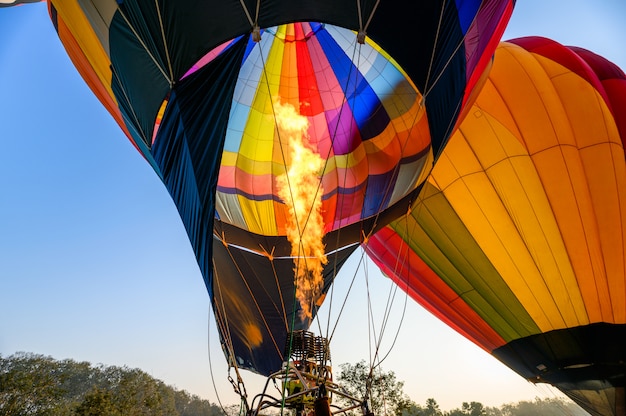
137	394
97	402
412	409
544	407
192	405
30	385
33	384
469	409
431	409
37	385
382	389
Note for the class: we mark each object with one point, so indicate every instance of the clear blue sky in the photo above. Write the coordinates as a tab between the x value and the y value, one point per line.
95	264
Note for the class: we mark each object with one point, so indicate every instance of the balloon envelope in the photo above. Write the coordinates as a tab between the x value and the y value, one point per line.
197	96
12	3
517	240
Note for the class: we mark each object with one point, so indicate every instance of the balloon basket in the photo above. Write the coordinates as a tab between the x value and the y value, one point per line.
305	382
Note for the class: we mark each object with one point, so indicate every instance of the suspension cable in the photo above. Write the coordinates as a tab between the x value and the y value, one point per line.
217	394
240	387
333	136
143	44
133	114
388	188
232	362
254	299
363	29
167	52
297	223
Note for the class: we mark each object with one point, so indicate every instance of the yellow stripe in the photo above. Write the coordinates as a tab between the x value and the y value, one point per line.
486	212
257	149
597	171
259	215
547	135
74	18
258	138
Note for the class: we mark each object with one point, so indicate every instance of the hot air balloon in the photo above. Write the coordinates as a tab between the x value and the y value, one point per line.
517	240
373	91
12	3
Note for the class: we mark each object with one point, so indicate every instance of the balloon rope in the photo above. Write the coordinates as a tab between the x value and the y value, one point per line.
294	299
432	55
143	44
345	300
362	33
167	52
389	186
392	292
256	34
393	289
258	7
245	9
289	186
130	106
280	292
282	150
299	256
375	359
356	55
387	191
217	394
256	303
222	320
427	89
369	19
451	123
333	137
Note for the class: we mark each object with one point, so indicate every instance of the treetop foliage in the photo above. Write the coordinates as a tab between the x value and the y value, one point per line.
387	398
32	384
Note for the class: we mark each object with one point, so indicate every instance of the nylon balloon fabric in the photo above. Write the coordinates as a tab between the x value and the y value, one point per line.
200	88
517	240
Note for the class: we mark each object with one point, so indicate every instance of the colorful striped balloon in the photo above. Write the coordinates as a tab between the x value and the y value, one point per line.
518	239
200	99
365	120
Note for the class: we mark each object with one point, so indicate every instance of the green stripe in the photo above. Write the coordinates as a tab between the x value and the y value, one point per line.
441	239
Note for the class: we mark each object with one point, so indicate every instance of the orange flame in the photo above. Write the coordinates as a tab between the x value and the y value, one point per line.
301	190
